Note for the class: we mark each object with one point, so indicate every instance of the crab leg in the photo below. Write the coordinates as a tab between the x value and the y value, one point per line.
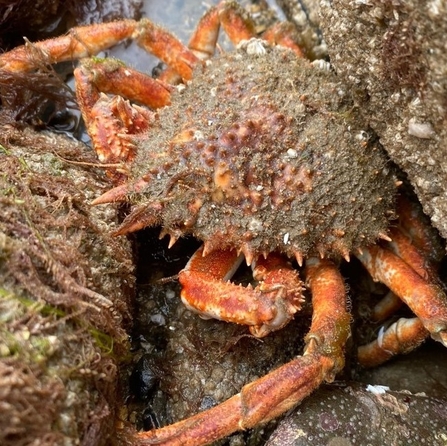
426	299
237	25
112	76
164	45
386	307
415	224
282	389
402	246
283	34
112	122
85	41
268	307
400	338
231	16
82	41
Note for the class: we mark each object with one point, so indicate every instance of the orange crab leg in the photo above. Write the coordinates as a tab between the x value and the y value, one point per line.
427	300
280	390
112	76
403	247
400	338
268	307
235	22
283	34
164	45
112	122
386	307
237	25
204	38
82	41
203	41
415	224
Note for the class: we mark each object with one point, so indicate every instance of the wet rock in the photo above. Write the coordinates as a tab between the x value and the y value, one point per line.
357	414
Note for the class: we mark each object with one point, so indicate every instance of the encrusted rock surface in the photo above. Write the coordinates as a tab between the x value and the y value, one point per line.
66	287
393	56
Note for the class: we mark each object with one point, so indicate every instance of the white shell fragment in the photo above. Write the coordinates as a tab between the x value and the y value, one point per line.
422	130
254	46
377	390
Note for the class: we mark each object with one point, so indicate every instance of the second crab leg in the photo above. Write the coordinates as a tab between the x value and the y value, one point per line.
282	389
426	299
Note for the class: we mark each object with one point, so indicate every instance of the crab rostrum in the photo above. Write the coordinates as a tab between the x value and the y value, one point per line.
260	154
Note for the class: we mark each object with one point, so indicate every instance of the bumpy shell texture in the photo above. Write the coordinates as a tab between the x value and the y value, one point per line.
263	152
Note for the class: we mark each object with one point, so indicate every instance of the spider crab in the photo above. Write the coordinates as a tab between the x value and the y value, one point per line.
260	154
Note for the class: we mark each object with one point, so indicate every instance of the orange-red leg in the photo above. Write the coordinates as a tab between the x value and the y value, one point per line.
167	48
79	42
282	389
283	34
411	277
403	247
86	41
415	224
235	22
267	307
111	122
417	244
401	337
426	299
387	306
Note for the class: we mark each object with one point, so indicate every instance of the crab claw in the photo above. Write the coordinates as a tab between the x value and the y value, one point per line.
283	388
267	307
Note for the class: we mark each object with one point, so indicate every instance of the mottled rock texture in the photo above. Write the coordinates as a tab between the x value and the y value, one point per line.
393	56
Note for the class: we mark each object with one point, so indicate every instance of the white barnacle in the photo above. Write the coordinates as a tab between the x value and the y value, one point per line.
377	389
198	135
422	130
292	153
255	225
321	64
362	135
253	46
